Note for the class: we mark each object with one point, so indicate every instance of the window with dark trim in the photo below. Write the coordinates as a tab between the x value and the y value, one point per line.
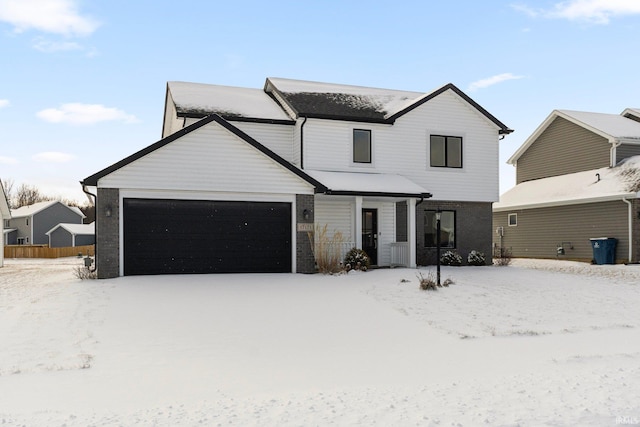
361	146
447	229
513	219
445	151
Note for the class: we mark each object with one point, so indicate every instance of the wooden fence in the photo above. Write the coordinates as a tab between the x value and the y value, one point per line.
36	251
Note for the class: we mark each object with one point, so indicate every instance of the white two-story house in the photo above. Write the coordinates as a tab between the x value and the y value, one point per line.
242	177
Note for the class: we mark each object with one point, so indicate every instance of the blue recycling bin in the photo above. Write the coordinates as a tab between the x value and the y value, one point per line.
604	250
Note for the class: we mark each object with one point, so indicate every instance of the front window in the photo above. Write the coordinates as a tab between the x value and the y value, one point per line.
447	229
361	146
513	219
446	151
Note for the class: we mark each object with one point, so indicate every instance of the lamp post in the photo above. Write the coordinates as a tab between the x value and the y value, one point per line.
438	215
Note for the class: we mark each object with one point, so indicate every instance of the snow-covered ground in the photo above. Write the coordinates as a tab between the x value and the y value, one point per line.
536	343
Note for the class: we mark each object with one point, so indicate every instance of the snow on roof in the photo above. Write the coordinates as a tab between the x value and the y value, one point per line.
614	125
32	209
385	102
37	207
76	228
227	101
358	182
575	188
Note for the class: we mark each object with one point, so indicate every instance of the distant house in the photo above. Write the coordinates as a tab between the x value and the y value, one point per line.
5	215
243	176
32	222
577	178
66	235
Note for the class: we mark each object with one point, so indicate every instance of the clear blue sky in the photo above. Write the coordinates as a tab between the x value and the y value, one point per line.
82	83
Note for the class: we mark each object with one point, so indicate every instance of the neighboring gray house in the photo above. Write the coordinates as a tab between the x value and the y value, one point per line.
66	235
32	222
5	216
577	178
243	176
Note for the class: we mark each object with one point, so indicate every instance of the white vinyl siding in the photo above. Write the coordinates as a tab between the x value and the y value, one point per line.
403	148
337	215
207	159
277	138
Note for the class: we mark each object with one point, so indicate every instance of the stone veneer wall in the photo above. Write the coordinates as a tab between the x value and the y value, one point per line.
305	261
474	224
108	233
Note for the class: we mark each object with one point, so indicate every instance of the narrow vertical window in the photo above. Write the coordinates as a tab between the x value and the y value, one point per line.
361	146
513	219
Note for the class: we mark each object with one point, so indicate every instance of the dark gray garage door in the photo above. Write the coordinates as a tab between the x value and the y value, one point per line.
195	236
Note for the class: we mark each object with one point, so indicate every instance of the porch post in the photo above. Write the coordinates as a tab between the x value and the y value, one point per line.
358	229
411	231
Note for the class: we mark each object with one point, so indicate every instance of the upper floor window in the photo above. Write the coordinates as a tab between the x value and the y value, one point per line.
361	146
446	151
513	219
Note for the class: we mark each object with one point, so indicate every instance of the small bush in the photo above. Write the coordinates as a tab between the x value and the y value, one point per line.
451	258
448	282
356	259
476	258
427	283
83	273
503	257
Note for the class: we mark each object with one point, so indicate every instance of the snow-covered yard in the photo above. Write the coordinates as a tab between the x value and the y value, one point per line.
537	343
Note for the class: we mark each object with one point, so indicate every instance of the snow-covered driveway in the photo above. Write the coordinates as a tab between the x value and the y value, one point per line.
537	343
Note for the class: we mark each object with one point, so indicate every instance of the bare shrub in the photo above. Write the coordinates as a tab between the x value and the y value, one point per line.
427	283
502	257
327	251
83	273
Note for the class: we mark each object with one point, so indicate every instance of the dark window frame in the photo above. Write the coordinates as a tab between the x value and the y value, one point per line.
446	151
353	143
430	242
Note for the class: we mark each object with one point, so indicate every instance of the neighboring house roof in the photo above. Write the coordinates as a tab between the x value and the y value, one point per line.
632	113
613	127
33	209
93	179
357	103
199	100
5	212
347	183
75	229
598	185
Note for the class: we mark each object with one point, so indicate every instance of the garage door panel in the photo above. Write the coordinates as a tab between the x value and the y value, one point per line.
178	236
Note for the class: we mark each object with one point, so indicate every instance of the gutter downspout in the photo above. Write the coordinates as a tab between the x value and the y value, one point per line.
302	142
612	156
95	204
630	225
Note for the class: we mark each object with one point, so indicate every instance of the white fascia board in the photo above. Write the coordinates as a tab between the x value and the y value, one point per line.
497	207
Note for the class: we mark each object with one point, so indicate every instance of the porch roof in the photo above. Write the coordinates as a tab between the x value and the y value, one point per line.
368	184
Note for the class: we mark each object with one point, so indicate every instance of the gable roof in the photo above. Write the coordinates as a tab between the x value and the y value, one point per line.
75	229
357	103
197	100
40	206
5	212
596	185
613	127
93	179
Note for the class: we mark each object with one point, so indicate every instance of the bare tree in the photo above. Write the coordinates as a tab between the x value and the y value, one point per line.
27	195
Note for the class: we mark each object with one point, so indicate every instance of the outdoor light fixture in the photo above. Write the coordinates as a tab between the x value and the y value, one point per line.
438	216
108	211
306	214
